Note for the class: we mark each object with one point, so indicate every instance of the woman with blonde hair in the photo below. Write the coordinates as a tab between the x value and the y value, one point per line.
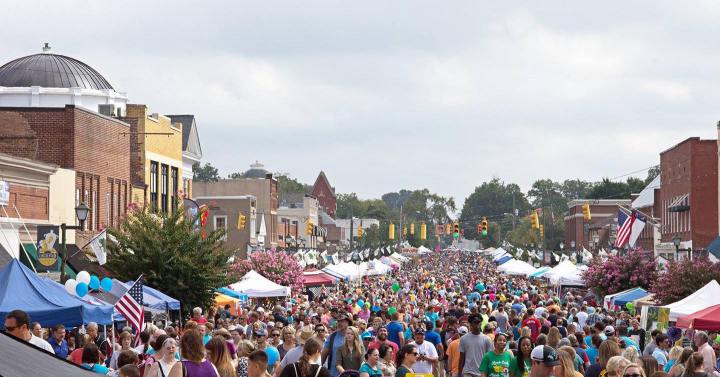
616	365
288	340
350	354
216	351
553	337
566	368
244	349
633	370
631	354
673	357
608	348
679	368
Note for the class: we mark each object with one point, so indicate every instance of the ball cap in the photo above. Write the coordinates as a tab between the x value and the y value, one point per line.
545	355
462	330
609	330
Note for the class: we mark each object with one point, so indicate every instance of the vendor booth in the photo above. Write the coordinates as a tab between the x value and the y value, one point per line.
706	319
703	298
255	285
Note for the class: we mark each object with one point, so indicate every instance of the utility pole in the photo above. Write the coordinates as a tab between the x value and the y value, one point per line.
351	231
514	211
400	230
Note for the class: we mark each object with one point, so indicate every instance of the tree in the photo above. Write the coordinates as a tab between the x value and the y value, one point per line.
608	189
652	173
620	272
274	265
635	185
236	175
172	255
289	186
683	278
494	200
547	195
207	173
575	189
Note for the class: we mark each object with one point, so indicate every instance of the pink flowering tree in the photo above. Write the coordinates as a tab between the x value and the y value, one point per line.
683	278
619	273
274	265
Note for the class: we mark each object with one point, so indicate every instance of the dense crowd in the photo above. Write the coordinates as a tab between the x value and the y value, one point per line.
446	315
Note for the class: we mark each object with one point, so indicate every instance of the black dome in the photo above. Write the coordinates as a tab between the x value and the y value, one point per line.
256	171
51	71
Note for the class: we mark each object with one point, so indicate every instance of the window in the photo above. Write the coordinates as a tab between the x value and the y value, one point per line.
173	188
164	188
221	223
153	185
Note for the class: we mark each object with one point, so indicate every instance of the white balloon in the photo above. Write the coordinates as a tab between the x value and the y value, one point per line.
83	277
70	286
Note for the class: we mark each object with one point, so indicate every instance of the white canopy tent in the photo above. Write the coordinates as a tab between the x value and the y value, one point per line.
703	298
516	267
499	251
423	250
566	273
399	257
255	285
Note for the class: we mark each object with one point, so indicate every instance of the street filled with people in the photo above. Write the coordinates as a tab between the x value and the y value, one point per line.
447	314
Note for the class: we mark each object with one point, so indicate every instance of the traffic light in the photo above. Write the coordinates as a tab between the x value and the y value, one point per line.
360	232
241	221
447	229
456	232
423	231
542	232
479	229
534	220
484	226
405	231
391	231
309	228
586	212
412	229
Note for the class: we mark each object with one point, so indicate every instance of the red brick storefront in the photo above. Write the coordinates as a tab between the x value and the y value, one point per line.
95	146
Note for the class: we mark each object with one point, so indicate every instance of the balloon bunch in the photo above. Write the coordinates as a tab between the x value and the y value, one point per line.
85	282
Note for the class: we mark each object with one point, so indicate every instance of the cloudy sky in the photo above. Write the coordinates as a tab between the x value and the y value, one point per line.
384	95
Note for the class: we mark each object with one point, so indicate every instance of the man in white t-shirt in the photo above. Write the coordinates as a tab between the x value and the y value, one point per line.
427	354
17	324
582	317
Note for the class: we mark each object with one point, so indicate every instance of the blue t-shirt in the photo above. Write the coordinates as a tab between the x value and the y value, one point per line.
393	329
365	367
206	338
433	337
61	350
630	343
273	357
592	354
97	368
432	317
337	343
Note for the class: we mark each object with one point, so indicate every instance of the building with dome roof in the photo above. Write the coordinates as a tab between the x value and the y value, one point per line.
257	170
52	80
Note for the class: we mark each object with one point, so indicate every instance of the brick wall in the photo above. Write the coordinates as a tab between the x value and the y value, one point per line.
31	202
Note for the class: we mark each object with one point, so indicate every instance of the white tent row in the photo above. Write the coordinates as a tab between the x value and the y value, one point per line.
399	257
352	271
516	267
255	285
423	250
703	298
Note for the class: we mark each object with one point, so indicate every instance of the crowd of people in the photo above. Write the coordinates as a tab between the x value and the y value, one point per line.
448	314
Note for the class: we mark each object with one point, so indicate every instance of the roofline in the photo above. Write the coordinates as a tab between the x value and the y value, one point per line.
219	197
61	109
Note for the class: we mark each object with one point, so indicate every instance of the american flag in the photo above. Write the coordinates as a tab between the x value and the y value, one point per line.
131	304
625	225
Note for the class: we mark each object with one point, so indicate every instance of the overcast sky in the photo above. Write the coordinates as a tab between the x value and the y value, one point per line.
385	95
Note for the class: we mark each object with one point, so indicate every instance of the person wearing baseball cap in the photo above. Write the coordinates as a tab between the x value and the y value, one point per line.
544	359
453	351
427	353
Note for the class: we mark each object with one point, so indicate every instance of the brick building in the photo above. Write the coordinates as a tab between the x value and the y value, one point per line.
225	213
600	231
689	196
325	194
94	146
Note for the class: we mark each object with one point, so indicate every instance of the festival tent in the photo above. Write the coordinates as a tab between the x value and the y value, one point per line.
44	300
315	278
229	292
540	272
498	252
566	273
516	267
150	301
629	296
172	304
399	257
20	358
706	319
332	272
423	250
703	298
503	259
221	300
255	285
377	268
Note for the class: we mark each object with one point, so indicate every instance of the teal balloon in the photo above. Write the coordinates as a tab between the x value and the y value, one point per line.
361	303
106	284
94	282
81	289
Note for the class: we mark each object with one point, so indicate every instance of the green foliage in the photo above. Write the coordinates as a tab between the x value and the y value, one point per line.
653	172
172	255
607	189
683	278
288	185
575	189
206	173
493	199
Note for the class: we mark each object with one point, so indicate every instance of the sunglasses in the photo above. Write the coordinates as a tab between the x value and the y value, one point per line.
319	330
275	335
632	375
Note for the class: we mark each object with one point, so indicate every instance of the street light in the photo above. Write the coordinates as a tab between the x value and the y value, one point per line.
81	212
676	241
596	239
562	246
572	244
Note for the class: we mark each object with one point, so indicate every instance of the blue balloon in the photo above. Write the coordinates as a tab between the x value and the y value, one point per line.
106	284
81	289
376	308
361	303
94	282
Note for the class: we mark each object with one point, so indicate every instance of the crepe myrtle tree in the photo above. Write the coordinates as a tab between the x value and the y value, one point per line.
620	272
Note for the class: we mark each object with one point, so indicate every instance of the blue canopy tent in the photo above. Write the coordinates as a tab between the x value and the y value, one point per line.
503	259
229	292
634	294
540	272
155	299
45	301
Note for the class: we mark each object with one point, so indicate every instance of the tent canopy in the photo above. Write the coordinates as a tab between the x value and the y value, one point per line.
706	319
255	285
44	300
703	298
172	304
316	278
628	296
566	273
516	267
540	272
21	358
503	259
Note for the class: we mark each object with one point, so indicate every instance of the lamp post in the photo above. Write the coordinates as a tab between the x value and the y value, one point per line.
572	245
676	241
81	212
596	239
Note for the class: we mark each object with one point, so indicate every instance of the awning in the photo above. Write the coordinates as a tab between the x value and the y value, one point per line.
681	203
714	247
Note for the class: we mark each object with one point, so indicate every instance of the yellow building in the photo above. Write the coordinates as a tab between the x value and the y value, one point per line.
156	154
